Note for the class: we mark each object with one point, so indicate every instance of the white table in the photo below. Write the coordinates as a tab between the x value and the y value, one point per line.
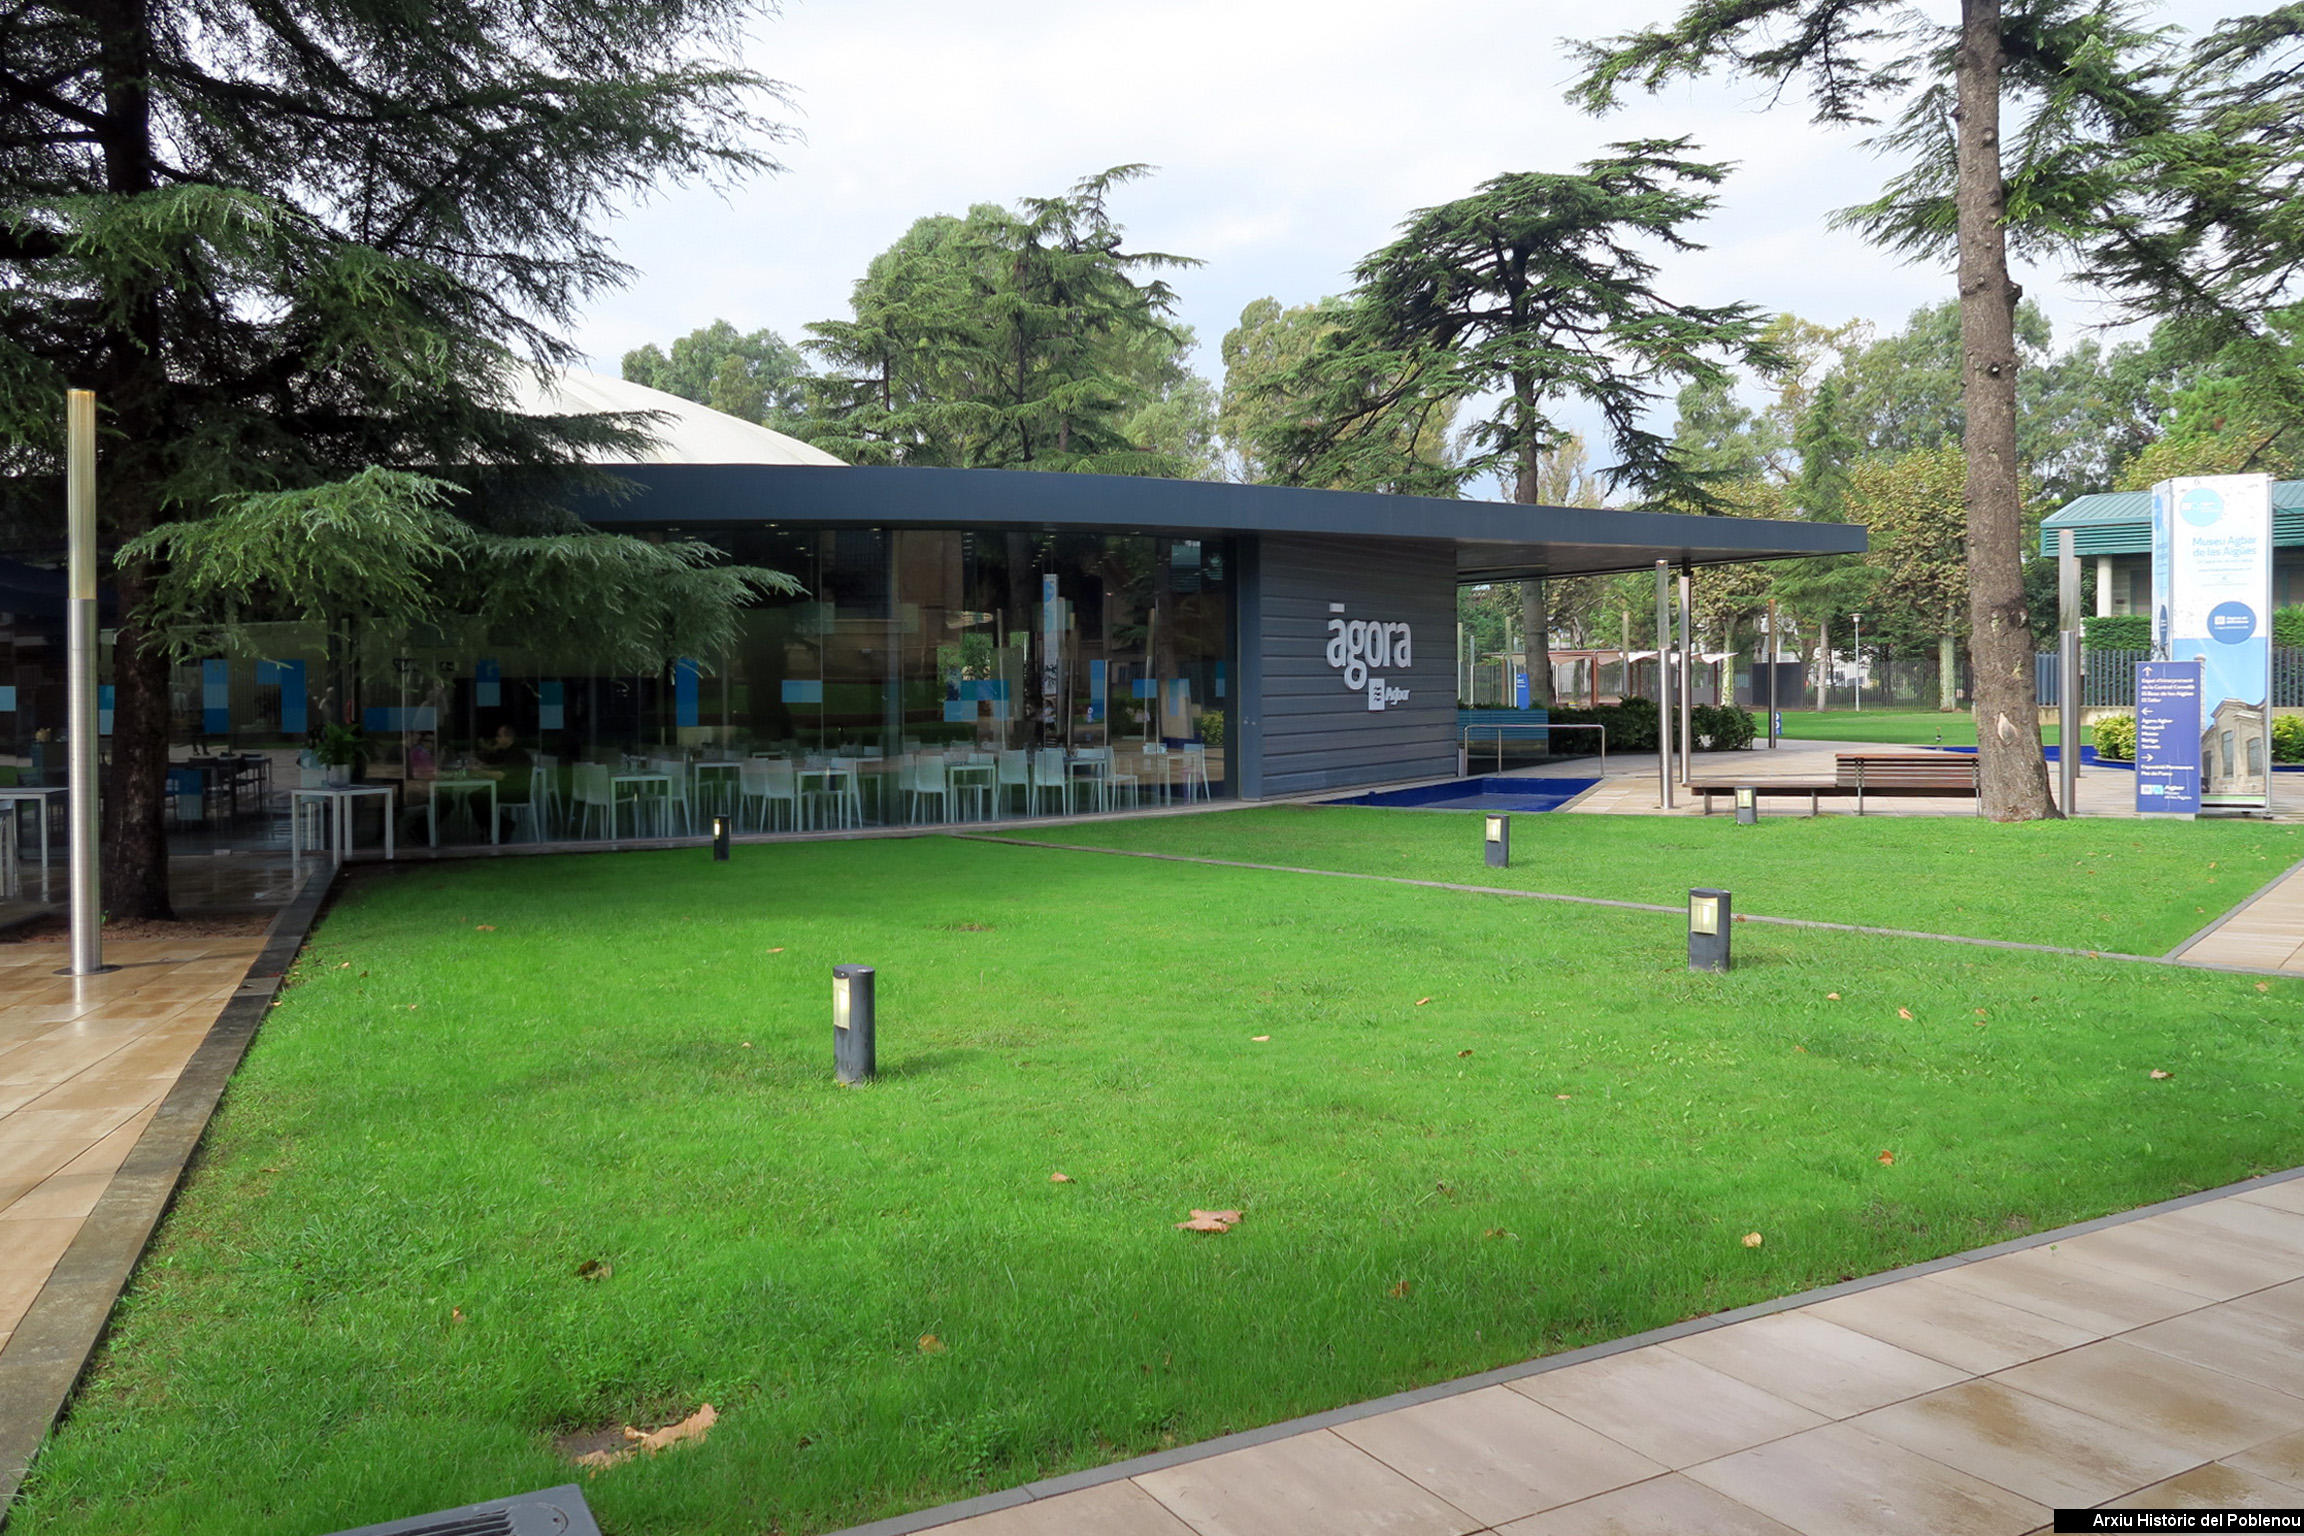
48	796
338	799
454	787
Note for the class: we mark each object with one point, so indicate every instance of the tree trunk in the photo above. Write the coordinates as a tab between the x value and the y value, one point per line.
2010	765
1947	669
1823	664
134	835
1536	619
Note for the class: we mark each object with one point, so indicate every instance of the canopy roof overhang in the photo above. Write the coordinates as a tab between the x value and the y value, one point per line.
1495	541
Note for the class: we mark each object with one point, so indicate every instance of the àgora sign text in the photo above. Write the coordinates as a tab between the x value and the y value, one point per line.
1357	647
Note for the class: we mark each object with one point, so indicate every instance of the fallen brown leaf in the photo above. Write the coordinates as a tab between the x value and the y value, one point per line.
779	949
1496	1232
647	1442
594	1269
1059	1178
1210	1221
1259	1038
1560	1096
2157	1075
1463	1053
1904	1013
455	1314
1831	997
1399	1292
2263	986
1420	1002
931	1345
1751	1239
1886	1157
484	927
693	1427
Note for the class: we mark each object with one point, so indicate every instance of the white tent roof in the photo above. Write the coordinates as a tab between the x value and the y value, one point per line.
686	433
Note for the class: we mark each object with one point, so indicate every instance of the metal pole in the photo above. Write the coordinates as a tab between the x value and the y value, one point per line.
1771	649
1663	683
1859	662
80	674
2068	717
1687	678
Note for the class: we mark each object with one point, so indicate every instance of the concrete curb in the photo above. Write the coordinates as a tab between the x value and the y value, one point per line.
45	1356
1072	1482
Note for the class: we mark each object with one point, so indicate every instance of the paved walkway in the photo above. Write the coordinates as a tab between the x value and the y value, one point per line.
2152	1363
84	1061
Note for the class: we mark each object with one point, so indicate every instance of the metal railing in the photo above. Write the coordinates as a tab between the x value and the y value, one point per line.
1523	732
2108	678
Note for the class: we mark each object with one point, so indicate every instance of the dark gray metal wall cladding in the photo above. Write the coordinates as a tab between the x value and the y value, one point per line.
1312	731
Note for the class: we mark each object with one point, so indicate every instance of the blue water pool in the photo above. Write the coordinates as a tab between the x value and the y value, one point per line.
1486	794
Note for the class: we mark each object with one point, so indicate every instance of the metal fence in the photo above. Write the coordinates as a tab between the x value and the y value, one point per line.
2108	678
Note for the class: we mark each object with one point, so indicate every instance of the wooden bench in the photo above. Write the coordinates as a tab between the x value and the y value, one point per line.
1907	773
1860	774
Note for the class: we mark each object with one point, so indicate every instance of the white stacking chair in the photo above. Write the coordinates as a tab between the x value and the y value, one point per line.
923	778
1192	764
591	792
1016	774
1051	775
768	783
676	796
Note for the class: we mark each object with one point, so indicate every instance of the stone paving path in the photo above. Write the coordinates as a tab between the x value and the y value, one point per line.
84	1061
2152	1363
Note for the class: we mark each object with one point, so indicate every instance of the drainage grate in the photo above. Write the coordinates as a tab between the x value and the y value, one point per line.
554	1512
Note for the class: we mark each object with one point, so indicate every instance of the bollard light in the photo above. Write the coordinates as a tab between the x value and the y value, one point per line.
1499	842
1747	806
1709	920
720	831
852	1023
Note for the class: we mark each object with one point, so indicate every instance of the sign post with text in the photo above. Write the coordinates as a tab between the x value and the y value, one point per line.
2168	738
2212	603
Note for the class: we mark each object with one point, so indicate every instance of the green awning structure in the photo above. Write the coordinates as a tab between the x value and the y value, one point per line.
2120	522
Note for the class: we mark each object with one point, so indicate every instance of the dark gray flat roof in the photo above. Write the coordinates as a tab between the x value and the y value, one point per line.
1495	541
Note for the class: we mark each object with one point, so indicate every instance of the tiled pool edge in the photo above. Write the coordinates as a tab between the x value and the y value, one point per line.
44	1357
1072	1482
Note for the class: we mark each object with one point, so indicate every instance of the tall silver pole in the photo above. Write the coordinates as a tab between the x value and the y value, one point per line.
80	675
1664	683
1687	680
1859	662
2068	716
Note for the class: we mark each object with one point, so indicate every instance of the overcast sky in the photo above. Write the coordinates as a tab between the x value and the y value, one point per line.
1292	136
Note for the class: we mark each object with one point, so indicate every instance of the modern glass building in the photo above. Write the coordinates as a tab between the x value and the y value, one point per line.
967	644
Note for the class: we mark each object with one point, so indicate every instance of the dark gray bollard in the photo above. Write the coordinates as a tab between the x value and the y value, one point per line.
1709	920
852	1023
1499	842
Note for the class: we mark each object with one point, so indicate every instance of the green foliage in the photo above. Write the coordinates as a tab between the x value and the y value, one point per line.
386	546
339	745
2116	631
2114	737
1913	507
1631	724
2288	627
1531	292
1013	339
1721	727
2288	738
757	377
1269	387
1212	727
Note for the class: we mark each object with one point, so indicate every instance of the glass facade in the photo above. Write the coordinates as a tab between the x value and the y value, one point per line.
921	676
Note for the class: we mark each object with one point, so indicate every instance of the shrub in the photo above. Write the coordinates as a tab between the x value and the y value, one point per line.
2288	738
2115	737
2288	627
1631	725
1722	727
2117	632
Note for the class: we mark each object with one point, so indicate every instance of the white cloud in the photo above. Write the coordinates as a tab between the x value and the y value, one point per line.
1292	136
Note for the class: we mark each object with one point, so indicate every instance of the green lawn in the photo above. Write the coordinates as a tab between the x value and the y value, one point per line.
1907	727
1481	1129
2137	887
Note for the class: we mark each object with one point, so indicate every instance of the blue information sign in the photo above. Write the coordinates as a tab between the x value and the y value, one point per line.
2168	738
